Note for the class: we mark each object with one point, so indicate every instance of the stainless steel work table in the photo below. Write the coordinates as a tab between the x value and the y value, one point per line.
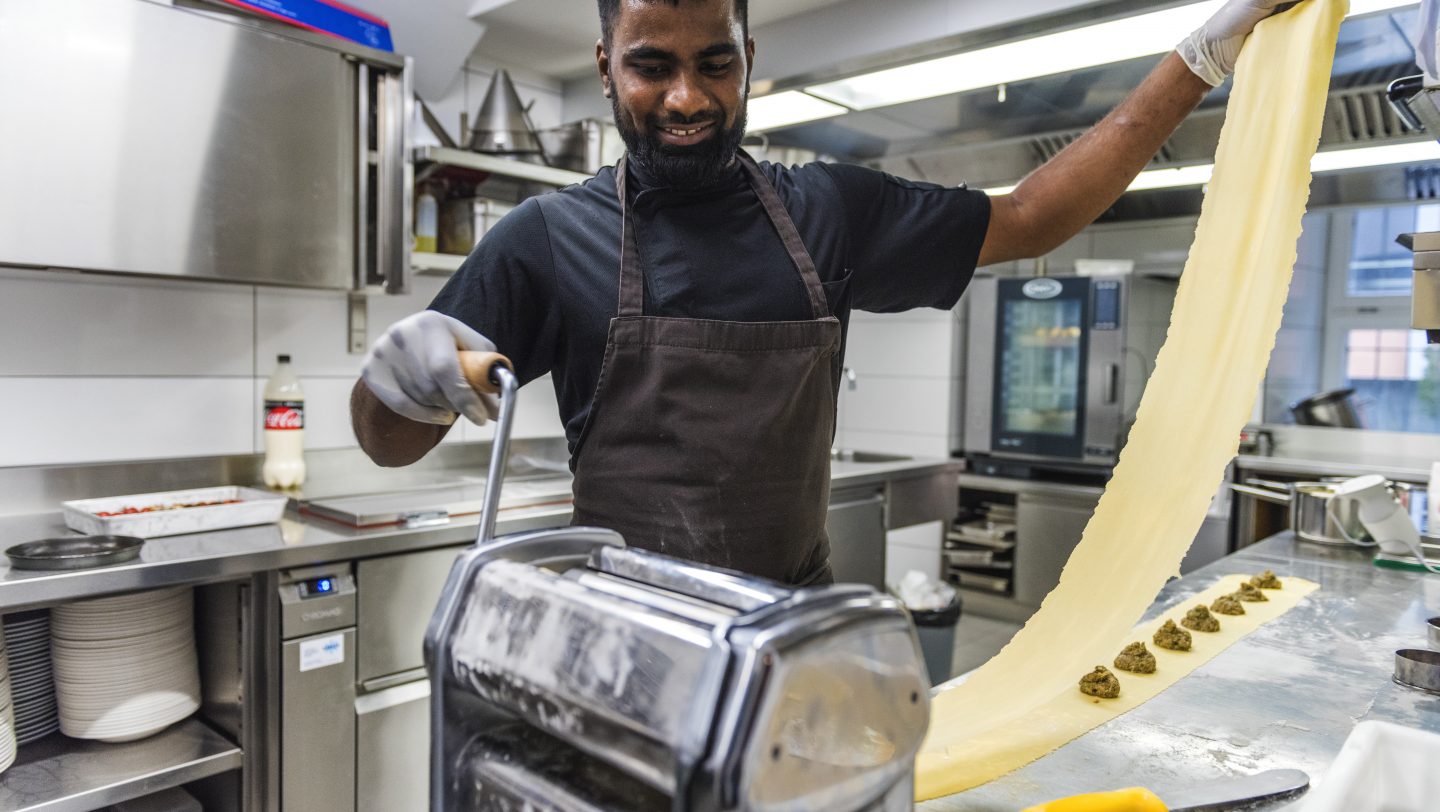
300	541
1286	696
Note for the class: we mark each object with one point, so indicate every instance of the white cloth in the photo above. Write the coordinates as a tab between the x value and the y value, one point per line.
414	369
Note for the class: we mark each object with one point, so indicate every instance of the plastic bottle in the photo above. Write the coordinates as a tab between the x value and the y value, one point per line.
427	222
284	428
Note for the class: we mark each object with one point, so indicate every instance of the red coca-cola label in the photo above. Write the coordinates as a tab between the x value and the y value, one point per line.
284	415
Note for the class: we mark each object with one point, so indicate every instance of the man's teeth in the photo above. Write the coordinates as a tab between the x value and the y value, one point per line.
680	132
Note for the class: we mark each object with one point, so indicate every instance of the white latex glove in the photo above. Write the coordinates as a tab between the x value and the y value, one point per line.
1214	48
415	370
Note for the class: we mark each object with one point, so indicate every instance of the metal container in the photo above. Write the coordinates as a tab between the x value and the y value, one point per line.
1333	409
465	220
172	513
1311	518
1418	668
1432	629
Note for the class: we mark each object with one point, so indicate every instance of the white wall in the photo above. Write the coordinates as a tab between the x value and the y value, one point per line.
97	368
904	376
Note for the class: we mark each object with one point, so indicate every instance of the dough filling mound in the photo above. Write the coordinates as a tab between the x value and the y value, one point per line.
1251	593
1227	605
1100	683
1266	580
1201	620
1172	637
1136	658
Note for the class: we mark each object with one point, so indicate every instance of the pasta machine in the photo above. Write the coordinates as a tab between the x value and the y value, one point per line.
631	681
571	673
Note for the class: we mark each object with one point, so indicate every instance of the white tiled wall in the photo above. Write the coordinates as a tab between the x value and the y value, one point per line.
97	368
904	376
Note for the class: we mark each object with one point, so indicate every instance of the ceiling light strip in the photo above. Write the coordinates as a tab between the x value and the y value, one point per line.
1330	161
1046	55
786	109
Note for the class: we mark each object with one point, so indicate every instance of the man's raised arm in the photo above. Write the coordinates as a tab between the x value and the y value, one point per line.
1056	201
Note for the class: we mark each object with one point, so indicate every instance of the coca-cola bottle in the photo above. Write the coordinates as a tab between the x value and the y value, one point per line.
284	428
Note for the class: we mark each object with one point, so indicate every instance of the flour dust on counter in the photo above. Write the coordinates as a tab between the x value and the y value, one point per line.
1227	311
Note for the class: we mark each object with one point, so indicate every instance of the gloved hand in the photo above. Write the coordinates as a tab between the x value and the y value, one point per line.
1214	48
415	370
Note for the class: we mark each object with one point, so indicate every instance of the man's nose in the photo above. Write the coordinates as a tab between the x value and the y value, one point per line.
685	98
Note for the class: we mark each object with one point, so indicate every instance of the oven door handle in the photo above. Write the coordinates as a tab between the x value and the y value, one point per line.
1111	393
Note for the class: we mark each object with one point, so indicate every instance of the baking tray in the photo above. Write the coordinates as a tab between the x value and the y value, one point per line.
74	552
252	506
983	583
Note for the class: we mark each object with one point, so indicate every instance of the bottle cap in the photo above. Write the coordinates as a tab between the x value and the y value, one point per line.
284	359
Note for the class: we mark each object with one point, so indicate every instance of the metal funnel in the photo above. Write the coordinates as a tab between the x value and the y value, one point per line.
501	126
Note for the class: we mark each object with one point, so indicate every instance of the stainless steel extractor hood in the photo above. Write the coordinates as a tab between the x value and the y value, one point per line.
144	138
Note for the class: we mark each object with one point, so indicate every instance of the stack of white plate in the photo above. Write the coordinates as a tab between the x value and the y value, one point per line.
32	684
7	719
125	667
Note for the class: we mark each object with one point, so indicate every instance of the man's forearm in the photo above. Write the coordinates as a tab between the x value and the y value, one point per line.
386	437
1075	187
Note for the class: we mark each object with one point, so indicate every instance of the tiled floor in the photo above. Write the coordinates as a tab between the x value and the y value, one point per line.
977	639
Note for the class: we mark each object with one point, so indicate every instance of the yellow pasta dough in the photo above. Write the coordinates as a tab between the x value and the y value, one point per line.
1222	329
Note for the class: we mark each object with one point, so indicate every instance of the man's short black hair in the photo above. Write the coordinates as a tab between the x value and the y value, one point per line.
610	8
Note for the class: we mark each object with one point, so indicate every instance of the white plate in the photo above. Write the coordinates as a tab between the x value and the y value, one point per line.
122	664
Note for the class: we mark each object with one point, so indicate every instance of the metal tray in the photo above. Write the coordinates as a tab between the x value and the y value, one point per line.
254	506
74	552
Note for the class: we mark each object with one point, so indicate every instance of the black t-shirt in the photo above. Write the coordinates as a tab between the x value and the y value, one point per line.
543	284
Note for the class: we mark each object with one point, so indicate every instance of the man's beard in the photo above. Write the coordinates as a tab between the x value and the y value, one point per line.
694	166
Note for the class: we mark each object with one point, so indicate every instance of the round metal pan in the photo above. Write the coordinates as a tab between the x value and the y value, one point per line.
74	552
1418	668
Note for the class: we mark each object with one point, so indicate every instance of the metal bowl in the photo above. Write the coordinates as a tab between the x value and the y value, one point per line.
1432	627
1418	668
74	552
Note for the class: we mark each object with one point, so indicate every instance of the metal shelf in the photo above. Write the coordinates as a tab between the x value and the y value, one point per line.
500	166
60	774
426	262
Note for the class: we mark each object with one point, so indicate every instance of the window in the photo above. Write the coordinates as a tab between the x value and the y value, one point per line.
1396	377
1380	266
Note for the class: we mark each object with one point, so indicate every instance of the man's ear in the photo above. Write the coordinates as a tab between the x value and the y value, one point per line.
602	64
749	61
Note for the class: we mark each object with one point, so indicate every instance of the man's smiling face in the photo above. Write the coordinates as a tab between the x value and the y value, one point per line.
677	75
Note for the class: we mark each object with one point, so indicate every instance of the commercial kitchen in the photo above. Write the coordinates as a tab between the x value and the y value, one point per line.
239	240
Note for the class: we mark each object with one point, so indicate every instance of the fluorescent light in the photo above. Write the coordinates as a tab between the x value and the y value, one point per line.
1358	7
1142	35
1330	161
787	108
1410	153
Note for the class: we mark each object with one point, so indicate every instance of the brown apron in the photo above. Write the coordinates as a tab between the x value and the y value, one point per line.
710	440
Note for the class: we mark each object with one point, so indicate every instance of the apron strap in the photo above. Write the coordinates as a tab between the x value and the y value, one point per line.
780	218
632	279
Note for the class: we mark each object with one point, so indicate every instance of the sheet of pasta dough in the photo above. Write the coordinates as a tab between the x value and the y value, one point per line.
1223	326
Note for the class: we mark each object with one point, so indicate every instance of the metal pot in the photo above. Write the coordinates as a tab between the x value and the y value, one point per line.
1334	409
1310	516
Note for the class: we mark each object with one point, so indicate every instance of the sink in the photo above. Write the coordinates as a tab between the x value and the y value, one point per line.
851	455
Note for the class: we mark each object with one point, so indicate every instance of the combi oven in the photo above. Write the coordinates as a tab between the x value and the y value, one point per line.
1056	366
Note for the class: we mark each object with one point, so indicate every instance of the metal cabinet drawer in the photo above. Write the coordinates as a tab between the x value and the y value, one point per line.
397	596
855	524
392	749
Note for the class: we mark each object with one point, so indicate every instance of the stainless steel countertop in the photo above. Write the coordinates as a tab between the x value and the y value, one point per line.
1350	463
301	541
1285	696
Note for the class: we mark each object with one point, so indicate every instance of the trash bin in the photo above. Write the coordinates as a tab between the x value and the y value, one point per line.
936	629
